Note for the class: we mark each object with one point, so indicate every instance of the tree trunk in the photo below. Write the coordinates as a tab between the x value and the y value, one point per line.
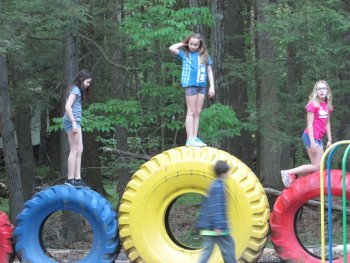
25	150
72	228
344	75
121	133
12	167
54	149
291	84
229	48
120	92
197	28
91	164
43	150
269	151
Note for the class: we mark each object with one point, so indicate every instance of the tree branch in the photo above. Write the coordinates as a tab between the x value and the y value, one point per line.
310	203
104	54
130	154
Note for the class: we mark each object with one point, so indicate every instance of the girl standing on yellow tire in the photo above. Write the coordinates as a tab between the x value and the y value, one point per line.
196	68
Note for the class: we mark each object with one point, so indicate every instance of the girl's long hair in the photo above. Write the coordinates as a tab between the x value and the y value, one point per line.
79	81
313	96
202	49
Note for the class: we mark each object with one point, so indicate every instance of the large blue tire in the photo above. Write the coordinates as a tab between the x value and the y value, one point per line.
92	206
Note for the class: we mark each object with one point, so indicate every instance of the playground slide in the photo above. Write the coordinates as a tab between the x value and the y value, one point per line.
91	205
283	217
143	221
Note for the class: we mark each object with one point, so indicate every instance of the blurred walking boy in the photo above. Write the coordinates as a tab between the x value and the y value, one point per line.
212	221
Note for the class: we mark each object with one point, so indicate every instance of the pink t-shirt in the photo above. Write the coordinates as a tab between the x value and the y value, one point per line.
321	116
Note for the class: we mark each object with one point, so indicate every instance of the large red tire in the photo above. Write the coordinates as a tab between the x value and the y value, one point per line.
6	229
282	219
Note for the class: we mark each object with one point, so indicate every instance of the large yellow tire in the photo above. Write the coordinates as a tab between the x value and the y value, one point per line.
173	173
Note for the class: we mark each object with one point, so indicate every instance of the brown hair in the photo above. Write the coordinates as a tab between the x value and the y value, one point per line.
202	49
78	81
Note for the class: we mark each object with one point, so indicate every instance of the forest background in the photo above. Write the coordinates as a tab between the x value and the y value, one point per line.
267	56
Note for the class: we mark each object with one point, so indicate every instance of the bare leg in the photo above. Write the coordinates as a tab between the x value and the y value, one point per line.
315	158
191	109
198	109
77	172
74	140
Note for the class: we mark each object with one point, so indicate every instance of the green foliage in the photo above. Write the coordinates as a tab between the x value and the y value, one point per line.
218	122
4	205
110	187
56	124
106	116
149	21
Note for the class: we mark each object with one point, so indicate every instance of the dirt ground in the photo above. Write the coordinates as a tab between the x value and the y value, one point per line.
268	256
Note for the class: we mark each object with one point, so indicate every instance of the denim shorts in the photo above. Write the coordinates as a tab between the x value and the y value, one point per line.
306	140
191	91
67	125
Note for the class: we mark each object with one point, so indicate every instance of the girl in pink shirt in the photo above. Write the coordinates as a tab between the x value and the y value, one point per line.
318	111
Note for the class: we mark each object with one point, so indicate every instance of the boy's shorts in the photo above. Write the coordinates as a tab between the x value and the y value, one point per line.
67	125
191	91
307	143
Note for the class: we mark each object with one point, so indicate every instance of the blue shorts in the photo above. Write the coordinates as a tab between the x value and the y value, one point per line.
191	91
306	140
67	125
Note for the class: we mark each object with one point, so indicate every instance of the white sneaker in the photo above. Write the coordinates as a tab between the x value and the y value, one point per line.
202	144
287	178
193	143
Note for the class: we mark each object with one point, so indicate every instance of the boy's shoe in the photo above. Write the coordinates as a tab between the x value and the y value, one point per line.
192	142
71	182
81	183
200	142
287	178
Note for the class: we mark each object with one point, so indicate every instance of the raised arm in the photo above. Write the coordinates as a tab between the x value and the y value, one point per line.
175	48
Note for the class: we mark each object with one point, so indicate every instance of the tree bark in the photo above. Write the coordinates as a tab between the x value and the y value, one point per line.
124	172
228	40
269	151
43	149
120	92
197	28
344	75
25	150
54	148
12	167
72	228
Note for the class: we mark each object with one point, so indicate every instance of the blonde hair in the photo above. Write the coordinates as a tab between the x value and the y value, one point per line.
202	49
313	95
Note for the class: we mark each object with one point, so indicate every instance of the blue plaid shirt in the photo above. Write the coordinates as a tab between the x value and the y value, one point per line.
213	212
193	72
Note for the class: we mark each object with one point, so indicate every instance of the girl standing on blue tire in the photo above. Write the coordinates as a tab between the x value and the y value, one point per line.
72	124
196	68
